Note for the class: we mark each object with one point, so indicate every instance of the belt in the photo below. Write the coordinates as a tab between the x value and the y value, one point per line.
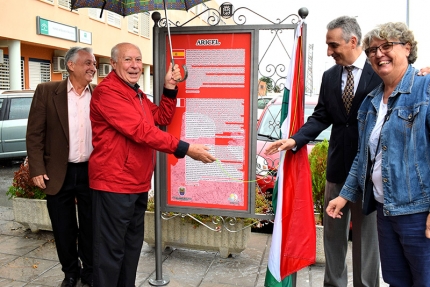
84	163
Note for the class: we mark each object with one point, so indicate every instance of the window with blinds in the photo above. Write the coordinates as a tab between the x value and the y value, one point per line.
5	75
39	72
113	19
145	26
133	23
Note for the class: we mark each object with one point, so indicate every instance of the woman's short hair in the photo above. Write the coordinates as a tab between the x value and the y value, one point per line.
390	31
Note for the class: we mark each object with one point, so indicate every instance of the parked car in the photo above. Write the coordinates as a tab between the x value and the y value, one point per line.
14	110
269	130
263	101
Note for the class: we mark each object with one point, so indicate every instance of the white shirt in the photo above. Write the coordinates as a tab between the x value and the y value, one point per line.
356	72
373	141
80	136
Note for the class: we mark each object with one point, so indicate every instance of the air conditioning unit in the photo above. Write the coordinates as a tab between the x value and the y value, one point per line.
59	64
104	69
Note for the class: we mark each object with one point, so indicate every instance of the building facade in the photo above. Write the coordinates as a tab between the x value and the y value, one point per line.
36	34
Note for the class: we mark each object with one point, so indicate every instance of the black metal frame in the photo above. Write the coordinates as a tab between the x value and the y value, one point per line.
160	62
226	11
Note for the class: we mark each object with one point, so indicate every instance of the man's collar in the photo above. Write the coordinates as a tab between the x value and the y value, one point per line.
360	61
135	87
70	86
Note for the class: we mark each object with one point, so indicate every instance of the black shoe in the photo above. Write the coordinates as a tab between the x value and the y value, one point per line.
69	282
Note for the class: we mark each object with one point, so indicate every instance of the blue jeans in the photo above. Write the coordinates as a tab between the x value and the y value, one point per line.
404	249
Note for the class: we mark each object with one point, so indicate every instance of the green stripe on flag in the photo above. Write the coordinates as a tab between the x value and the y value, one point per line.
272	282
283	116
284	107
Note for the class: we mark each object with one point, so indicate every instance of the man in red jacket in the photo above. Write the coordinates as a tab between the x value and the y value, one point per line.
125	138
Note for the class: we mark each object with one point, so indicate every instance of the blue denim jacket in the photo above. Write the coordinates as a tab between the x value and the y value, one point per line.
405	147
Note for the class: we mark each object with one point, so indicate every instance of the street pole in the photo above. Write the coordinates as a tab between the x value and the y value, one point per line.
407	12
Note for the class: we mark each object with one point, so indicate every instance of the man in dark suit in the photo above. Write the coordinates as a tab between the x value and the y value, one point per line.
343	44
58	148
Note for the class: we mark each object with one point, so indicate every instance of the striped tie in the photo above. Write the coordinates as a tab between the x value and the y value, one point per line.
348	92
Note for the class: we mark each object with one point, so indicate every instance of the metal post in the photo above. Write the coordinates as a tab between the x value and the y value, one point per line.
158	280
407	13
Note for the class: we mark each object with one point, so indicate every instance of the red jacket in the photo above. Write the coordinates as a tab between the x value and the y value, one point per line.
125	136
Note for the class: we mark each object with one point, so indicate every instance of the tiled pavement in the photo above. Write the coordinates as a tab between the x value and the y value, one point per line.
30	259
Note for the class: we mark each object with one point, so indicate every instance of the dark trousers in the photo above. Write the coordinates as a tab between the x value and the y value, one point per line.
405	250
365	252
62	211
118	237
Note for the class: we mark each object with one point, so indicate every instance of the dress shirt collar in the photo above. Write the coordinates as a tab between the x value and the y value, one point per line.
360	61
70	87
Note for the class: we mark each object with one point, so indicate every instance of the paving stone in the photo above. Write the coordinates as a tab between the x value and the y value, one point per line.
52	277
11	283
30	259
18	245
26	269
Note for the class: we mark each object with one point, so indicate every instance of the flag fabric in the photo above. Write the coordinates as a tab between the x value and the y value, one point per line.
294	236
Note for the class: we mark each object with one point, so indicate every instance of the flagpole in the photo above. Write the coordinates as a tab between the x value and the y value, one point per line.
303	13
292	248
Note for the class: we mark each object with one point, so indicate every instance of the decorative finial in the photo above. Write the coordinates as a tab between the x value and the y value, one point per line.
303	12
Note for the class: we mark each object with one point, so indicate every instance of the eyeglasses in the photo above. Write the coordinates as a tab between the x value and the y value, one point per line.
384	48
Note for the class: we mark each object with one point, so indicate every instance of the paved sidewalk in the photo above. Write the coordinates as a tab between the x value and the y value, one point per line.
30	259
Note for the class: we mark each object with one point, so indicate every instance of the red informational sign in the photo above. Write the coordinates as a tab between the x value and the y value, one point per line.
213	109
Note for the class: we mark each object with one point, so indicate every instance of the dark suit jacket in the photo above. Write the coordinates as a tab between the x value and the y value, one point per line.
48	134
331	110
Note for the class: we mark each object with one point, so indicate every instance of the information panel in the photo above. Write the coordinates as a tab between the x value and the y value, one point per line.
213	109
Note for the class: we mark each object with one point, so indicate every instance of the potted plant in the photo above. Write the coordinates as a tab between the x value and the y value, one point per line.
318	166
29	204
205	232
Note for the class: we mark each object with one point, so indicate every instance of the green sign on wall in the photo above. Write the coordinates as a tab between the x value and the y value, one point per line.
57	30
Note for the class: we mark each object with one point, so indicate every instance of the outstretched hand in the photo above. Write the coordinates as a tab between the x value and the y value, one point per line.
200	152
283	144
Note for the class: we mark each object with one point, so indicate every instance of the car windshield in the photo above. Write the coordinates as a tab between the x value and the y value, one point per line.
270	127
325	134
262	102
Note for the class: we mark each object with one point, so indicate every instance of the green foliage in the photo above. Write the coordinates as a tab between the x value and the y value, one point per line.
262	206
318	163
23	186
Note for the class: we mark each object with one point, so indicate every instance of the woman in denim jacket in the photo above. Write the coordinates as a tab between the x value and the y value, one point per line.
394	122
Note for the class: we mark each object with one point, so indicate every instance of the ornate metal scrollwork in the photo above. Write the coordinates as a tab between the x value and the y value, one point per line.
239	16
219	223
